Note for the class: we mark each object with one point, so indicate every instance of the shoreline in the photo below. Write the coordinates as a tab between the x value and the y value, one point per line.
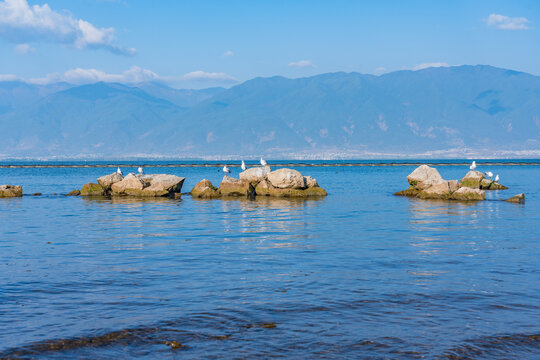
283	164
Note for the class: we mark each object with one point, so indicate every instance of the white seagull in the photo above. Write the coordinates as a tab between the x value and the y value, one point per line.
140	170
226	169
489	174
243	166
263	162
497	178
118	171
473	165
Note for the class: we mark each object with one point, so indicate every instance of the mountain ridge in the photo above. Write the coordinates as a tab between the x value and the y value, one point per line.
465	109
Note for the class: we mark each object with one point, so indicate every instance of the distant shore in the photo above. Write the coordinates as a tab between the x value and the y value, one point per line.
280	164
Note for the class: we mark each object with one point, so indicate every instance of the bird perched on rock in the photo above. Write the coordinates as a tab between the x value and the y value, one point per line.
226	169
497	178
118	171
140	170
263	162
489	174
243	166
473	165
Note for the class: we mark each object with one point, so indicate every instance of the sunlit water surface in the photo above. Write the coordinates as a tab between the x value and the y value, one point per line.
360	273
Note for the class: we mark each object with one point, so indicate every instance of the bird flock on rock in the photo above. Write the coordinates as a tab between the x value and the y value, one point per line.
225	169
489	174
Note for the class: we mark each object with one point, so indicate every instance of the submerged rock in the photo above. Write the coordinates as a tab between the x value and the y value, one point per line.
468	194
92	189
519	198
8	191
286	179
411	191
472	179
423	177
234	187
205	190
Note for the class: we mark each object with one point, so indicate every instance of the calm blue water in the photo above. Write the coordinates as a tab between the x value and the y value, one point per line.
359	274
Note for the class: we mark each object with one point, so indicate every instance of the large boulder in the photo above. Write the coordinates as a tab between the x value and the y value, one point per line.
265	188
205	190
286	179
472	179
130	184
107	181
519	199
10	191
423	177
92	189
148	185
255	175
164	182
440	190
234	187
467	194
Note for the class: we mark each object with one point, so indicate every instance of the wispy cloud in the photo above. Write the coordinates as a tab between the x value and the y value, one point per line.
507	23
9	77
24	49
429	65
228	53
302	64
20	22
200	75
380	70
133	75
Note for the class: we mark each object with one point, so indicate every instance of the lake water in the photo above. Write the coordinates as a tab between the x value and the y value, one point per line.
358	274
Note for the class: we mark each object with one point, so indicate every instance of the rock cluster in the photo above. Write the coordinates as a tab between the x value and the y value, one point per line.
133	185
10	191
426	183
261	181
476	180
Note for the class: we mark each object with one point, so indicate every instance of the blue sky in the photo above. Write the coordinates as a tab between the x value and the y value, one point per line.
207	43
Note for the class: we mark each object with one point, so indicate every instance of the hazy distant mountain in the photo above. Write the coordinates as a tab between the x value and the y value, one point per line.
479	108
181	97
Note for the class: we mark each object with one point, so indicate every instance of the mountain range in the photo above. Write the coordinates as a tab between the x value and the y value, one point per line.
436	112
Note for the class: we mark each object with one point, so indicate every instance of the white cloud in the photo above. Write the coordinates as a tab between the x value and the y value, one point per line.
9	77
507	23
200	75
133	75
302	64
380	70
429	65
24	49
21	22
228	53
